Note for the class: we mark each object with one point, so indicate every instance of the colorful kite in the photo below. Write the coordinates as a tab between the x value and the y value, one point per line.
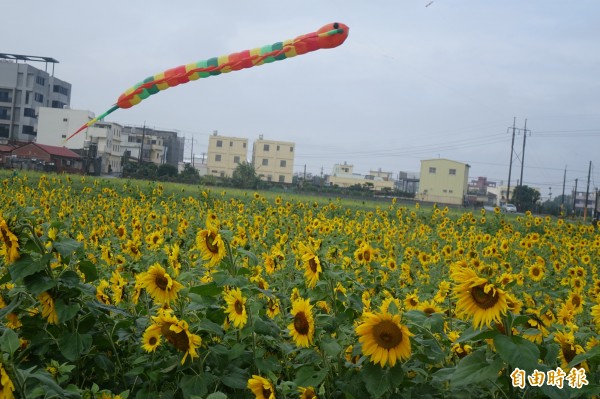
329	36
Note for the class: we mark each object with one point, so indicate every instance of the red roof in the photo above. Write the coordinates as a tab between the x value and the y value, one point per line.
57	151
6	148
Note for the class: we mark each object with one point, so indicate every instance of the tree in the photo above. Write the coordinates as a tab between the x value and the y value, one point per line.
525	198
189	174
244	176
166	170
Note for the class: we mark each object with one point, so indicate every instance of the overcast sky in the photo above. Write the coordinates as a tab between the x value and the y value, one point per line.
413	80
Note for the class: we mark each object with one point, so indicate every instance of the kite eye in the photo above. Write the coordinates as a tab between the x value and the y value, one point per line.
336	25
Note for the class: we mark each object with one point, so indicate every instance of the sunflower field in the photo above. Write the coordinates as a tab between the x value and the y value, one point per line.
121	289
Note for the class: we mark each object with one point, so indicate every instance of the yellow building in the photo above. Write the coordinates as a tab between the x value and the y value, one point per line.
273	160
225	153
343	176
443	181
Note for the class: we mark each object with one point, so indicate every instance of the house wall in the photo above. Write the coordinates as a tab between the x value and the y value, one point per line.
443	181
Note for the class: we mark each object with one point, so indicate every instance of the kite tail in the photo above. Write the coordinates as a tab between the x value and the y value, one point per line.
96	119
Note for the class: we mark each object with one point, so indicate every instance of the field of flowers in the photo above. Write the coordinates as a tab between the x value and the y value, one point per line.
124	289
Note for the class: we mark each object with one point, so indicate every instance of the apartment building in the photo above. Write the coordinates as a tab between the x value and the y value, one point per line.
443	181
273	160
56	124
23	90
225	153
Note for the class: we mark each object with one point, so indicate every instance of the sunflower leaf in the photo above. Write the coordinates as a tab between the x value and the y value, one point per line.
474	335
193	385
376	380
9	342
593	353
475	368
307	376
25	266
517	352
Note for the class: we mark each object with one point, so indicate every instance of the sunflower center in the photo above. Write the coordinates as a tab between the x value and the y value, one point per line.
301	323
568	352
387	334
152	341
154	239
179	340
162	282
312	263
210	243
367	255
482	299
239	308
576	301
266	393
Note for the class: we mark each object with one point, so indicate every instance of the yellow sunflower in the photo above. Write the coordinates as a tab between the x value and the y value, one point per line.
383	338
478	298
177	333
10	243
596	315
236	308
568	349
302	329
261	387
536	272
312	264
307	393
211	245
159	285
151	338
48	309
6	385
430	307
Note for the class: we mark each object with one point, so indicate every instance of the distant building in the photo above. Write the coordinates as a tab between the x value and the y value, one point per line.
580	202
498	195
56	124
273	160
479	194
171	141
23	90
343	176
46	157
225	153
407	182
443	181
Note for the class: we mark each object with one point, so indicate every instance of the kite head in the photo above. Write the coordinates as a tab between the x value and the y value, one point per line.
332	35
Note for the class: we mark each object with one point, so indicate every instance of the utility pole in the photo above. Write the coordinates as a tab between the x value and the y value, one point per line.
562	201
192	152
587	192
512	145
523	154
575	197
142	146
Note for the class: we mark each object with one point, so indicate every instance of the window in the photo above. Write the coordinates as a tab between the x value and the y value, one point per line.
266	147
58	104
39	97
219	143
236	159
269	178
218	158
61	90
452	171
277	148
281	179
3	130
5	96
231	143
27	95
40	80
29	112
265	161
244	145
28	129
450	191
65	119
291	149
431	170
282	163
5	113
